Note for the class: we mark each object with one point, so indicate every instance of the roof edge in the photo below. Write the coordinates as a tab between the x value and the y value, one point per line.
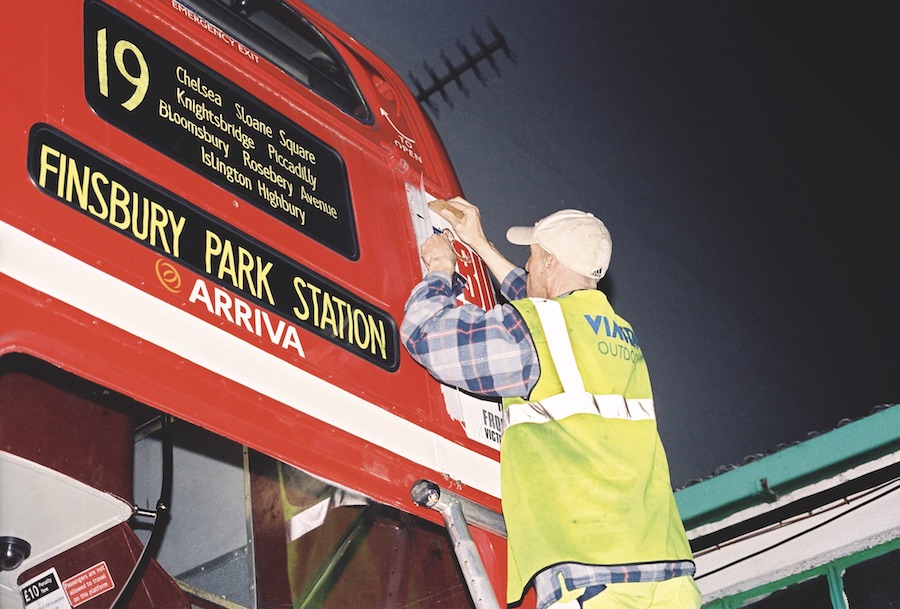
762	481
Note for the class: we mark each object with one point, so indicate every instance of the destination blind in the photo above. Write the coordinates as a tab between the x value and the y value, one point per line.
131	205
154	91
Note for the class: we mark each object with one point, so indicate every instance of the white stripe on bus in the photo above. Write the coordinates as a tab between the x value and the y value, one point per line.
61	276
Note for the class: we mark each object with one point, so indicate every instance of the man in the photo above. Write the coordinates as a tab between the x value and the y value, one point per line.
590	514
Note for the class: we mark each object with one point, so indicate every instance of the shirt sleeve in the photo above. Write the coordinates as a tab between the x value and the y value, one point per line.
513	286
489	353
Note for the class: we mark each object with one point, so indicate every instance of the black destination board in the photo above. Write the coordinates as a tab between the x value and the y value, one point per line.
151	89
259	276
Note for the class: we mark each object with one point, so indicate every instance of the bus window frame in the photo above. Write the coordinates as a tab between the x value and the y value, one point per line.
267	46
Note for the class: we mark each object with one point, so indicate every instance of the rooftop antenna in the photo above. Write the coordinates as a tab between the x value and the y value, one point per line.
485	52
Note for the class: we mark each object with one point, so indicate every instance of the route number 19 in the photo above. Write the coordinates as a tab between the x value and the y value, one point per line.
140	81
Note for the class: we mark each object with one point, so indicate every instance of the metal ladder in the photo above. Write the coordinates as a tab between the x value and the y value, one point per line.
457	513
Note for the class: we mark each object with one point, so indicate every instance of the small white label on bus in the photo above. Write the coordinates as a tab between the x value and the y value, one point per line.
44	592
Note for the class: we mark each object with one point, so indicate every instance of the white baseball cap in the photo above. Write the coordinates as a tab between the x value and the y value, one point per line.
579	240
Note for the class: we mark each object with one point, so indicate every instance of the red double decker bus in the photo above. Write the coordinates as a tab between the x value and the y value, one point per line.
210	224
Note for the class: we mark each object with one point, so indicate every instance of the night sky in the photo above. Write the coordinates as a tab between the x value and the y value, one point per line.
744	157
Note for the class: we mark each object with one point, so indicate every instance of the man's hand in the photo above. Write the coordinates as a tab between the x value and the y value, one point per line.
438	254
465	219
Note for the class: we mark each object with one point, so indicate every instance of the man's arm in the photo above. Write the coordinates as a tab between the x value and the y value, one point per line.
489	353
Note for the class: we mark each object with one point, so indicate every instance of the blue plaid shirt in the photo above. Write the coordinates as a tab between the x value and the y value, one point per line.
593	579
489	353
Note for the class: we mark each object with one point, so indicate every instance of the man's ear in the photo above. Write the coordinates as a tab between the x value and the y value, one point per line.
551	263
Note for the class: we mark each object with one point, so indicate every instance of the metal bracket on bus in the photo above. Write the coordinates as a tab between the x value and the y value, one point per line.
160	516
455	510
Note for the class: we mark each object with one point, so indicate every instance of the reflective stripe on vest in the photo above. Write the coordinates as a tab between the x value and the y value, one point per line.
565	405
574	399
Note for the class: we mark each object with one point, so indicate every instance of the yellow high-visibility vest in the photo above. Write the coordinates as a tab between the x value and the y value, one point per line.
583	472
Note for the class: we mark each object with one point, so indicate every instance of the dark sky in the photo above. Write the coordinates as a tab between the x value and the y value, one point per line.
743	155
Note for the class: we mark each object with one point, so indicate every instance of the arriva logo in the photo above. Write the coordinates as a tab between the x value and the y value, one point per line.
168	275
